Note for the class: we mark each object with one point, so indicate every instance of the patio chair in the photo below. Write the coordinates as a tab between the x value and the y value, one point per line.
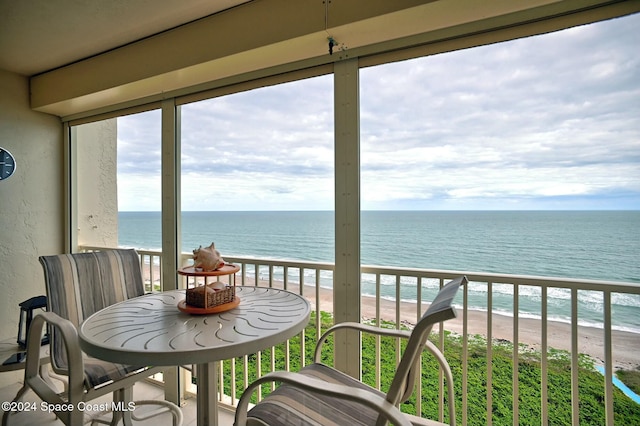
319	394
79	285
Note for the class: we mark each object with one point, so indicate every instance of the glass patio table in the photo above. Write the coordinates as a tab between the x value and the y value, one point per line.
151	330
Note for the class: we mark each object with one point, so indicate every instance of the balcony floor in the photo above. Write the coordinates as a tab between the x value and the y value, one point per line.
141	391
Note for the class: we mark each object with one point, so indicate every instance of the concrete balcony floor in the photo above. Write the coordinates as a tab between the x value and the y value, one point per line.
141	391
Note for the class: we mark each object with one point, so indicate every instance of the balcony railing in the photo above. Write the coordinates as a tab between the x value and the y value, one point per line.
474	331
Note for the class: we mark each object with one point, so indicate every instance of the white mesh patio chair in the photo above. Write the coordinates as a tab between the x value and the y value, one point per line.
319	394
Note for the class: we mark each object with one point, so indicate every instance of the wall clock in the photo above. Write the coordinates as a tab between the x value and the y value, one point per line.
7	164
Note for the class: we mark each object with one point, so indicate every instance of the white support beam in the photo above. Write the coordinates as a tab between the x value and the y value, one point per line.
70	140
346	290
171	247
240	45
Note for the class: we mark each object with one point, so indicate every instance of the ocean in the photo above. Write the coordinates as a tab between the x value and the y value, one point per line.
597	245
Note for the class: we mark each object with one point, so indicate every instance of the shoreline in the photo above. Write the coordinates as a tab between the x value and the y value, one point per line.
625	345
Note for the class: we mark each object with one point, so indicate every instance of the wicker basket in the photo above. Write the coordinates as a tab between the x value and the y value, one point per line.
196	296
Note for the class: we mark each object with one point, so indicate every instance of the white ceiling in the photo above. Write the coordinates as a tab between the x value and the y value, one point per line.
40	35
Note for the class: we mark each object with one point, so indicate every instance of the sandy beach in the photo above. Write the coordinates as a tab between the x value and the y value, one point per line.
625	345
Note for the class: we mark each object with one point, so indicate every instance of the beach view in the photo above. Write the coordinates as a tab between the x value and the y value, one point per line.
522	161
306	236
297	183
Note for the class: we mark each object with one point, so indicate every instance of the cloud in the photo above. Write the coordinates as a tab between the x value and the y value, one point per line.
542	117
272	148
549	121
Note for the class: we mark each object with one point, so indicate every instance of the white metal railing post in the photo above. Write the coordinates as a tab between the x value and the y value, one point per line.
608	360
575	395
465	354
516	347
489	353
441	387
544	398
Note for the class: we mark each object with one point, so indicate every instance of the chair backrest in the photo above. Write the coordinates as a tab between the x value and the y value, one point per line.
441	309
81	284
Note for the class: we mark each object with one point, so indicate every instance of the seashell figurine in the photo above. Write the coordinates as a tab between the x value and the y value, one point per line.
208	258
217	286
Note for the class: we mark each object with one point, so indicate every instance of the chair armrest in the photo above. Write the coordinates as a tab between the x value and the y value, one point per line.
69	335
444	365
387	332
373	401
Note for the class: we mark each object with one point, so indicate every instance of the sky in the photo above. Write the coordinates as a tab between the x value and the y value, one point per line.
550	122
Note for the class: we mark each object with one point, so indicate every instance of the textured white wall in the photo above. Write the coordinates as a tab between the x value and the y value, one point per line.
31	201
97	184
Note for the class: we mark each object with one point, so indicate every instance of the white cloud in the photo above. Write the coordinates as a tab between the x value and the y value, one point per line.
544	122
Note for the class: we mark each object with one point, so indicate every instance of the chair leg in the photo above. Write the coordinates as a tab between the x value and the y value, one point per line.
163	407
44	372
126	397
18	397
121	397
76	417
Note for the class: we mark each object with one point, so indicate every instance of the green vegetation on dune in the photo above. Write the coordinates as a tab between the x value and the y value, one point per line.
631	378
590	383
